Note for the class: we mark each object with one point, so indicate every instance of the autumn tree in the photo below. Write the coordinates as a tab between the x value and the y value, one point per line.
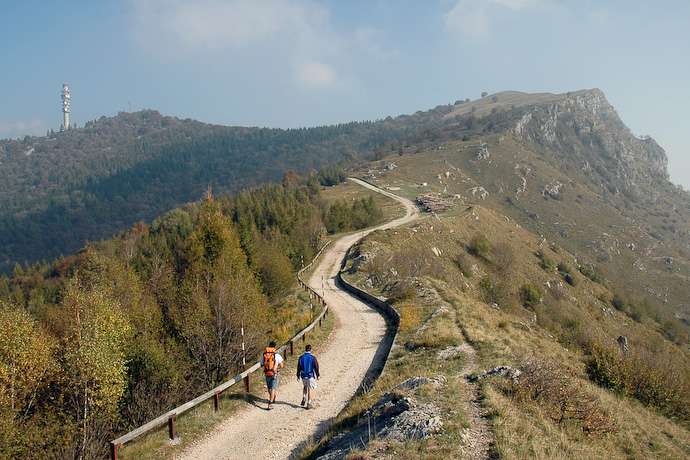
94	361
25	362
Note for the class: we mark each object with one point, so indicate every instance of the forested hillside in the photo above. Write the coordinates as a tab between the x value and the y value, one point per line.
89	183
105	340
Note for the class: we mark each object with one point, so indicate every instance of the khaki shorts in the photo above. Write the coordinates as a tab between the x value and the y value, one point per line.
309	383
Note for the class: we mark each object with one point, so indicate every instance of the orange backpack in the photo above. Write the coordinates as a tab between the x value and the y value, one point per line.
270	367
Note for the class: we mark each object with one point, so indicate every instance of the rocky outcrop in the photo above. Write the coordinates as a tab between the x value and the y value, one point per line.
396	416
585	124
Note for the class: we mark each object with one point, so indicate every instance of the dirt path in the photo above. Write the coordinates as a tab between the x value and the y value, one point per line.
478	436
344	362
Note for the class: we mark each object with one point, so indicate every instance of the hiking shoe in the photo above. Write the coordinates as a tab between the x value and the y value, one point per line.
304	401
310	405
270	406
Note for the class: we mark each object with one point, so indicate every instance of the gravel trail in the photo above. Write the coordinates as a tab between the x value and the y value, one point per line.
280	433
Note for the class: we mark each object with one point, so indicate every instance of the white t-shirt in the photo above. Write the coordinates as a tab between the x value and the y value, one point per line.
279	359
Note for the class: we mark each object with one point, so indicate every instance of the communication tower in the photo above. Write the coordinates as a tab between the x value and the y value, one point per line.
65	107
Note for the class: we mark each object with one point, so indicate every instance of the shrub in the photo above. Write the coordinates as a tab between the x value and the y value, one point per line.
563	267
673	331
401	290
627	306
636	313
478	245
640	376
464	265
591	273
491	290
619	303
548	265
557	390
530	295
503	258
570	279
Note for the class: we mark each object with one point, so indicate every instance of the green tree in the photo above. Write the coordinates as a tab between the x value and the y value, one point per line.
218	295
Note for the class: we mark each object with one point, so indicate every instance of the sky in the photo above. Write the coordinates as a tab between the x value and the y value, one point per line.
303	63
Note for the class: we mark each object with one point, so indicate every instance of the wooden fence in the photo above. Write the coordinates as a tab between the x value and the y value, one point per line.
170	416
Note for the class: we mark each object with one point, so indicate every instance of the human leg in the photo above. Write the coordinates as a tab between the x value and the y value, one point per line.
309	386
272	385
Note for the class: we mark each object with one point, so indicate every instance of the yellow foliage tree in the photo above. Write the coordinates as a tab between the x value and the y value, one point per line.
93	360
25	360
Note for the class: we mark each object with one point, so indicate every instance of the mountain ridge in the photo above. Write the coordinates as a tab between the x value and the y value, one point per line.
100	179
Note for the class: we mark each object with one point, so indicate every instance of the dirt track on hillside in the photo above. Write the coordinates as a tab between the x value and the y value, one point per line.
344	362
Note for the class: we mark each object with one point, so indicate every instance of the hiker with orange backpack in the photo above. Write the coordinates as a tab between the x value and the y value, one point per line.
272	362
308	372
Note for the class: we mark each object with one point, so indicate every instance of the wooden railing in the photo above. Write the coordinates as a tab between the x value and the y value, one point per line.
169	416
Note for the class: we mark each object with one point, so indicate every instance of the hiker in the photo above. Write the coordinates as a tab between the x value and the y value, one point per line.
308	372
272	362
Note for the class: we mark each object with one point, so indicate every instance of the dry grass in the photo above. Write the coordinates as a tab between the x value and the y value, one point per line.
567	317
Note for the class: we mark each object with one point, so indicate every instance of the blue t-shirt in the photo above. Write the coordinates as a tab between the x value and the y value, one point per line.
307	366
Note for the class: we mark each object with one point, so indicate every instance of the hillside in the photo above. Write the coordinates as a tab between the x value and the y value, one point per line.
569	170
564	258
91	183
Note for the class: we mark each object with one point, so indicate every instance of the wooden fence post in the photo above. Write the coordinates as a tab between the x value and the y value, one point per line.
215	401
113	451
171	426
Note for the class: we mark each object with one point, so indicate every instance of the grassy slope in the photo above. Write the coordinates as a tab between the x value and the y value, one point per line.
510	333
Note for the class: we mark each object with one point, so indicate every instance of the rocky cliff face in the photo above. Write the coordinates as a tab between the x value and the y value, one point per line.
585	127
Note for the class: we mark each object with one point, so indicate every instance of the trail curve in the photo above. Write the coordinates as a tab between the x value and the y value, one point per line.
255	432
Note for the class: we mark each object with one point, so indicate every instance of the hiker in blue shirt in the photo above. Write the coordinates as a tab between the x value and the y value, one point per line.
308	372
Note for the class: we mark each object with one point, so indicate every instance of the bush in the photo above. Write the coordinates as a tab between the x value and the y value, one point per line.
401	290
464	264
491	290
503	258
556	389
627	306
591	273
478	245
619	303
673	330
570	279
546	263
530	295
563	268
641	377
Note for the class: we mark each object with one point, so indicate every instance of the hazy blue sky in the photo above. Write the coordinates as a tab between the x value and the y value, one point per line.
273	63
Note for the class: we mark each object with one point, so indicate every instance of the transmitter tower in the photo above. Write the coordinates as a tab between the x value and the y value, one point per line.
65	107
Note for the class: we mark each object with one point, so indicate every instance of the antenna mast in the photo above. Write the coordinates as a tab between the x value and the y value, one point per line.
65	107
